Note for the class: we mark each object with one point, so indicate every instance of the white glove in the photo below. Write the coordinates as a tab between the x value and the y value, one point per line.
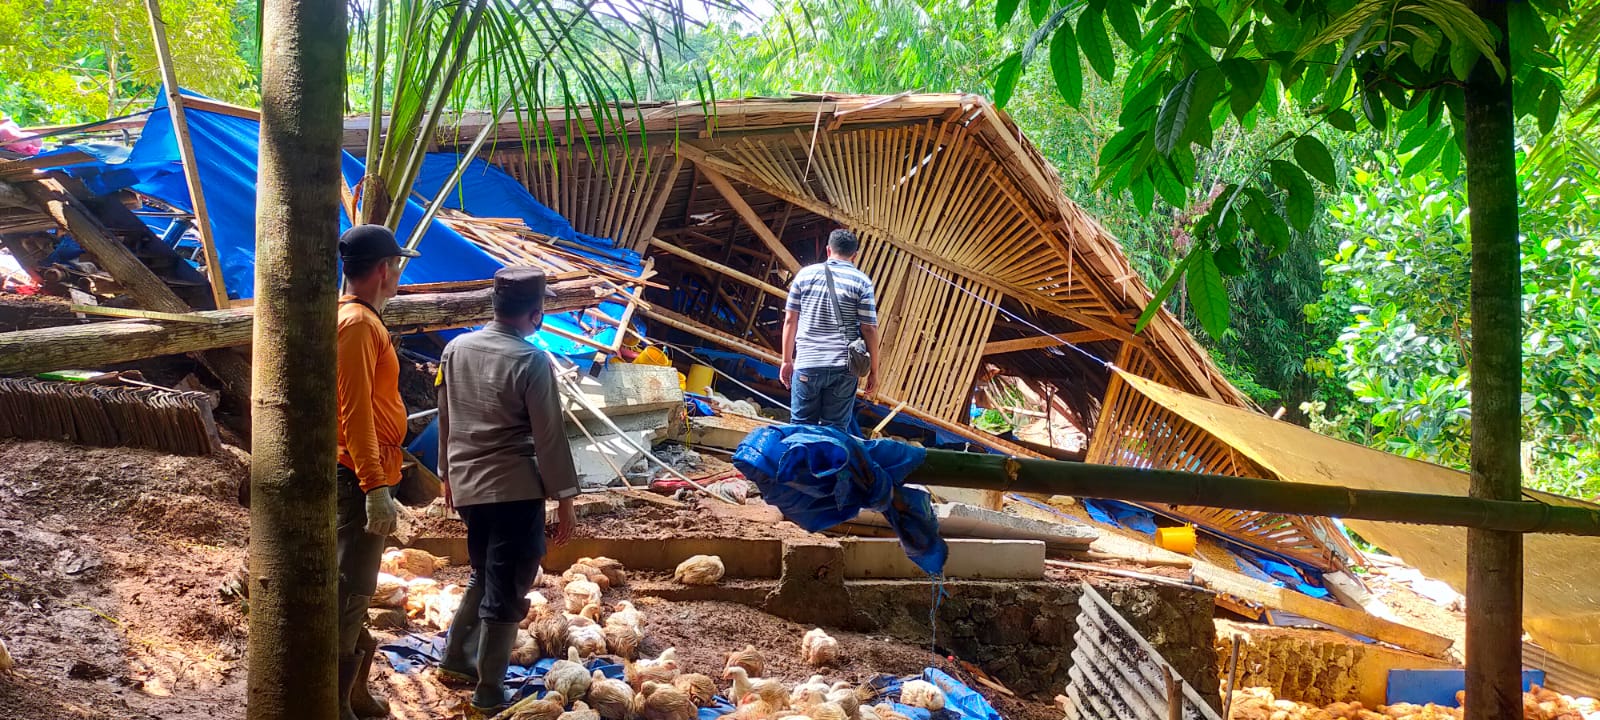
381	512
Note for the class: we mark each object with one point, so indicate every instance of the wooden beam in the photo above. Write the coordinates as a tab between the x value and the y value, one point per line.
117	312
714	266
732	170
658	204
1000	347
191	169
773	242
28	352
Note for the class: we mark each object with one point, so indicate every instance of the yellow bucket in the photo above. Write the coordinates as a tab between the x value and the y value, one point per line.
1176	539
700	377
652	356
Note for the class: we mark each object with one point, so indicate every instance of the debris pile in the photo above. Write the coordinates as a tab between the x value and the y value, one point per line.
1258	703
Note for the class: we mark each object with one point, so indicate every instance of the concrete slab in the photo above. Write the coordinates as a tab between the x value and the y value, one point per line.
882	558
596	461
724	432
963	520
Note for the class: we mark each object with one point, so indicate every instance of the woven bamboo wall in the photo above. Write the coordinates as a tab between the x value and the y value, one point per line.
1135	431
608	191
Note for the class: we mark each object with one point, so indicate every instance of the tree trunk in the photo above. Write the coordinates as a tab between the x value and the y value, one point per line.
293	574
1494	559
92	345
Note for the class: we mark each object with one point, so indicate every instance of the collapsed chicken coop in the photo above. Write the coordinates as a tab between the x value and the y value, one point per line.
670	240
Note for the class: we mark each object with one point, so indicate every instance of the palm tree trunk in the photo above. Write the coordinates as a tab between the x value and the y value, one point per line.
1494	559
293	576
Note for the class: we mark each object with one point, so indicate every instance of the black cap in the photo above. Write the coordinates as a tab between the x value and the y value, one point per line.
371	242
521	282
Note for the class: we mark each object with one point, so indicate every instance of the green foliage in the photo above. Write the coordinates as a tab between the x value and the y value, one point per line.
1197	68
76	60
1397	376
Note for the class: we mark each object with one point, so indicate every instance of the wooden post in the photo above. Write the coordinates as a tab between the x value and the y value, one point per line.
191	170
773	242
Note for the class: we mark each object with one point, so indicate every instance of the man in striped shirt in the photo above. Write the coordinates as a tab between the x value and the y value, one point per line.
817	334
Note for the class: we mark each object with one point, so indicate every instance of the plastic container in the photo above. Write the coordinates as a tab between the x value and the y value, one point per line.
700	377
1176	539
652	356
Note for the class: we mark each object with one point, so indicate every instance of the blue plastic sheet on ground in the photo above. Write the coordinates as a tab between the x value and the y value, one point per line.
411	653
961	702
820	477
227	149
1278	572
1121	514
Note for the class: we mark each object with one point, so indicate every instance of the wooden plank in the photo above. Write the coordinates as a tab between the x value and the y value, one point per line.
25	168
717	267
142	314
191	169
751	218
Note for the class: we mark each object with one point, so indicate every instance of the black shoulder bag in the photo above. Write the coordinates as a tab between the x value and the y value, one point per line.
860	361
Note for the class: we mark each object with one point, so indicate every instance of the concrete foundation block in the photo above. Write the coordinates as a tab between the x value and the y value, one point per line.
882	558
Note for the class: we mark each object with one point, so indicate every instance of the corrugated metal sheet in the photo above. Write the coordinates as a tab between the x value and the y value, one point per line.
173	421
1117	675
1560	675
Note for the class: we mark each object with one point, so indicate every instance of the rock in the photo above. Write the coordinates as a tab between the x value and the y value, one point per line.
387	619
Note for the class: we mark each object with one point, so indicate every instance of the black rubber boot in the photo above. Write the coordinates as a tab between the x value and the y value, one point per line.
494	654
461	643
349	667
362	701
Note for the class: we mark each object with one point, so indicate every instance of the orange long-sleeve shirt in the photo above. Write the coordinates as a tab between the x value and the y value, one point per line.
372	418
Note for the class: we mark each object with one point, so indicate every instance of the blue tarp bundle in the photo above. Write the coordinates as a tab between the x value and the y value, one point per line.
1120	514
1267	568
820	477
227	148
960	702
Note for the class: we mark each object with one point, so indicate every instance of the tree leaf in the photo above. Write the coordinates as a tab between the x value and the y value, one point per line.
1144	195
1095	43
1425	154
1425	47
1168	185
1450	161
1341	119
1209	25
1124	17
1208	296
1300	202
1005	79
1271	230
1229	260
1172	120
1207	86
1462	57
1004	10
1313	156
1163	292
1246	79
1037	10
1549	107
1065	65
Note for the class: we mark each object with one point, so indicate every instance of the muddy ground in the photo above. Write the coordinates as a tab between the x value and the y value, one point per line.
117	577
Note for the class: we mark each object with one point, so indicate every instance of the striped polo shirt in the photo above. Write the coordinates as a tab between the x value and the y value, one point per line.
823	340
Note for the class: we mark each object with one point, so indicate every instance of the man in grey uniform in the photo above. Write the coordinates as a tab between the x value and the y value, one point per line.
502	453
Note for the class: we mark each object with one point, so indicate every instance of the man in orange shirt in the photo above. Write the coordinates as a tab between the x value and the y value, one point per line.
372	425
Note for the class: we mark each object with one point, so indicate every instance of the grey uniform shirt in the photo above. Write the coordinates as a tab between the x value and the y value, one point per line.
499	405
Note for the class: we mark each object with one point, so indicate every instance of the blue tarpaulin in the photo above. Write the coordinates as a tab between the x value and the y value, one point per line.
227	149
1120	514
820	477
960	702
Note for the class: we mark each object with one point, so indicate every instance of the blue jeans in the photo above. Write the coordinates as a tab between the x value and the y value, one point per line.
823	396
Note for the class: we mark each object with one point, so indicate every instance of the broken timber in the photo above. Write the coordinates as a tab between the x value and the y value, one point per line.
28	352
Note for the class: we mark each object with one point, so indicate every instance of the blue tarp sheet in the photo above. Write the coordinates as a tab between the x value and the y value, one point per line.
961	702
227	148
820	477
1267	568
1121	514
411	653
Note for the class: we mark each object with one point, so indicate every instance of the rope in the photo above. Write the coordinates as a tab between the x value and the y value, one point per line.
1013	316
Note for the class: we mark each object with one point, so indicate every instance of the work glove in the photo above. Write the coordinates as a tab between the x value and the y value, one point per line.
381	512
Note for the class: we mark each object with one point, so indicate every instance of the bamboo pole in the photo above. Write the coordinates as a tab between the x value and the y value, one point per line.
751	218
191	169
1053	477
717	267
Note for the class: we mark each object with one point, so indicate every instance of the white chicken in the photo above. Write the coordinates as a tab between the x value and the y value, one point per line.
613	699
579	593
390	593
922	694
819	648
662	670
441	608
569	677
627	615
700	570
6	663
845	697
771	692
580	711
584	632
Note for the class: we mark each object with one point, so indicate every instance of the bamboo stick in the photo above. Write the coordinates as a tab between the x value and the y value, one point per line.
191	169
773	242
717	267
1053	477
